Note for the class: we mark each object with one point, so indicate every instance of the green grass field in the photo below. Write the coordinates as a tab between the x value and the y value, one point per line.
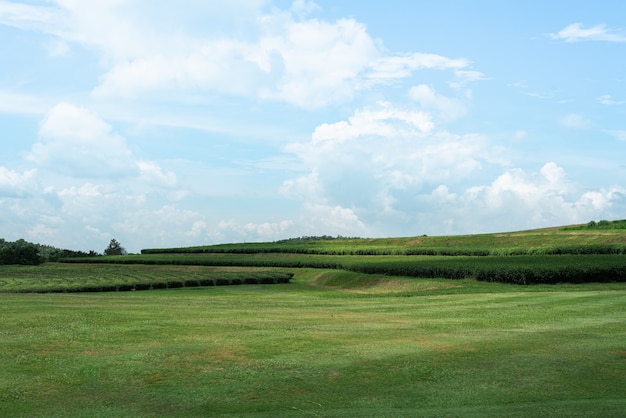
331	343
350	335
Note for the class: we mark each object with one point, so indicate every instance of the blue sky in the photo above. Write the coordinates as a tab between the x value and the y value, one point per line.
200	122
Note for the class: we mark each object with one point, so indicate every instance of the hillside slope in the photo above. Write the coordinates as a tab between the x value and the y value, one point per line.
601	234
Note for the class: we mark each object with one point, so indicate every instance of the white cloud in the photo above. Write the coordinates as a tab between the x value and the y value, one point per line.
377	161
77	142
576	33
449	109
333	220
279	58
75	123
11	102
304	7
153	173
527	200
73	216
15	184
400	66
41	233
282	55
574	121
320	62
87	190
25	16
221	66
98	212
463	77
383	121
601	200
608	100
166	226
306	188
265	231
97	203
442	196
553	173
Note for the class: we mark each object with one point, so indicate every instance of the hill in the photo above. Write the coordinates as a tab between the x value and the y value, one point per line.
598	237
523	257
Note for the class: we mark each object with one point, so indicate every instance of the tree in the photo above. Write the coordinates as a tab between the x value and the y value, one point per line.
19	252
115	248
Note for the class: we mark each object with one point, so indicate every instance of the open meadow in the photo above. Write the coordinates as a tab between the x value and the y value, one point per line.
330	343
504	325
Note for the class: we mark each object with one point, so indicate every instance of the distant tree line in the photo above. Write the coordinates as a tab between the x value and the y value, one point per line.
316	238
28	253
19	252
621	224
607	224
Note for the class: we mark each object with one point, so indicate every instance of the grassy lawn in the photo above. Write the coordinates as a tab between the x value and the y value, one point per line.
331	343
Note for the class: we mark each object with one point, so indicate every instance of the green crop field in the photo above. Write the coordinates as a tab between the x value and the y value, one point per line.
336	334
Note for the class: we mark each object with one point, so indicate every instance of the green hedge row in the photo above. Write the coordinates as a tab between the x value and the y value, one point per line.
265	248
222	279
218	260
508	269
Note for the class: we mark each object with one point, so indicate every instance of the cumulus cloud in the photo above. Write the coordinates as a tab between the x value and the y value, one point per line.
519	186
151	172
377	161
320	61
520	199
447	108
77	142
385	120
333	220
306	187
15	184
576	32
379	167
85	183
264	231
282	55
